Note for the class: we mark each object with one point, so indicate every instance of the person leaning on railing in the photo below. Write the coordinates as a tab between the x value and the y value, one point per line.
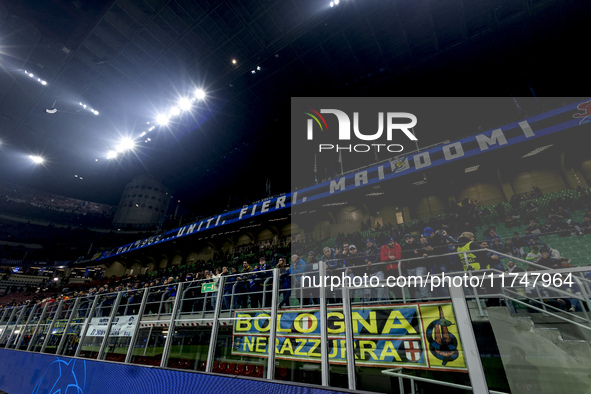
334	267
243	286
228	286
285	280
263	283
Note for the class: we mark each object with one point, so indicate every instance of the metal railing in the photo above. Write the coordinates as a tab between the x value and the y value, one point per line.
86	324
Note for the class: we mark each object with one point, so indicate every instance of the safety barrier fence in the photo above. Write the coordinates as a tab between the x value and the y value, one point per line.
344	336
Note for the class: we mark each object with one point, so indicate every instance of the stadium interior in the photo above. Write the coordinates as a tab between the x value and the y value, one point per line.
156	214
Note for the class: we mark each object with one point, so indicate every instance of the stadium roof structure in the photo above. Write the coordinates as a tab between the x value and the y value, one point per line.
84	83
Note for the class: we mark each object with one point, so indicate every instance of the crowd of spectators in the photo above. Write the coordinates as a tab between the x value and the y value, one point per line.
387	251
386	255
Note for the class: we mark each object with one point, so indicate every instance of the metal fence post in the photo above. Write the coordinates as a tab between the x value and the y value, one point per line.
471	353
86	324
273	325
21	335
135	333
67	327
171	325
115	306
350	350
51	325
214	328
12	313
18	320
37	327
2	318
324	366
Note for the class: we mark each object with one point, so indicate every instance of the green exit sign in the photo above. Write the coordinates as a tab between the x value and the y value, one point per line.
208	287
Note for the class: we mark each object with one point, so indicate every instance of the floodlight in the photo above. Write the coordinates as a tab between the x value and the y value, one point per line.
174	111
185	104
200	94
125	144
36	159
162	120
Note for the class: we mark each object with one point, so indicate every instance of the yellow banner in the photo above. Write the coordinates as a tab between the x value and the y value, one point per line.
422	335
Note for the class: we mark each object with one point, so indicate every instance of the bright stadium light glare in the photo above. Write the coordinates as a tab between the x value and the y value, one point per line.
200	94
36	159
125	144
162	120
174	111
111	154
185	104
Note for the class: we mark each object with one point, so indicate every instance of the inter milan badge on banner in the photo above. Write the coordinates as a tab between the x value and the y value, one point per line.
442	343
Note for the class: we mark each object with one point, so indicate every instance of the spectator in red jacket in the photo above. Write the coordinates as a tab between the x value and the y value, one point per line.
390	254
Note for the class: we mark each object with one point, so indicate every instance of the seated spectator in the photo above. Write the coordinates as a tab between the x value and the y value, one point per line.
511	249
554	253
546	260
574	228
533	228
519	243
559	213
532	239
486	232
496	245
512	220
511	267
534	255
492	236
